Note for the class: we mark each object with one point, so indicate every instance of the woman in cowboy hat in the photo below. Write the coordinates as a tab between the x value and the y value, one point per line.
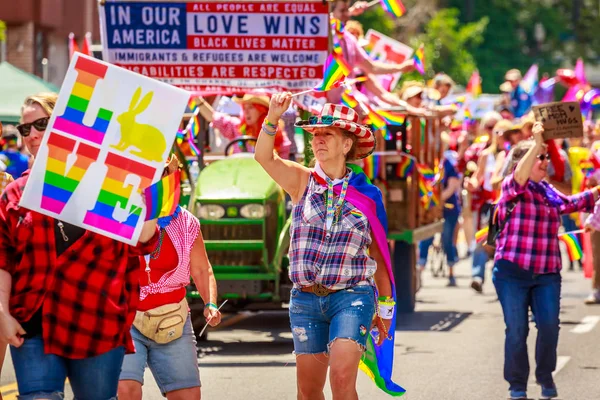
338	258
254	111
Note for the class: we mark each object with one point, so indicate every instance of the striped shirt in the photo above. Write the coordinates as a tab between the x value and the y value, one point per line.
530	237
336	258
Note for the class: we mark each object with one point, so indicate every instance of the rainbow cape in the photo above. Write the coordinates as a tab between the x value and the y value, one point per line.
378	361
162	198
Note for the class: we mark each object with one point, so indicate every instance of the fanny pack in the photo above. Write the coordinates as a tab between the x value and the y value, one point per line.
495	227
162	324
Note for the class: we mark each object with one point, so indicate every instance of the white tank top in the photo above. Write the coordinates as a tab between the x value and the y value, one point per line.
490	166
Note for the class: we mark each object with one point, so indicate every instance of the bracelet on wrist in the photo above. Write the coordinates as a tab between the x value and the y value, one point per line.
269	123
211	305
266	130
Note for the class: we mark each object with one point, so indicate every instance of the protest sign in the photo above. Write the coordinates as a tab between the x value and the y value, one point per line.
219	47
385	49
109	136
561	120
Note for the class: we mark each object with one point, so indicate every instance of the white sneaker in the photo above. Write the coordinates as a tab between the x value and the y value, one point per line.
593	298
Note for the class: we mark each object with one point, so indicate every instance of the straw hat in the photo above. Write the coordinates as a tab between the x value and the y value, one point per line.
513	75
506	87
412	91
253	99
345	118
443	79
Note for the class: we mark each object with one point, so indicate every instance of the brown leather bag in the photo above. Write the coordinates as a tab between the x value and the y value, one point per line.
162	324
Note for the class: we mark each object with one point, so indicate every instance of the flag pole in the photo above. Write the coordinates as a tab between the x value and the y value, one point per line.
303	92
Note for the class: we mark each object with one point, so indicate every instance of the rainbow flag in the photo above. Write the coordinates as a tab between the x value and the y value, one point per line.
371	168
180	136
335	71
426	172
405	167
374	118
474	84
419	59
192	104
349	100
162	198
194	127
573	247
394	7
337	26
460	101
391	118
482	235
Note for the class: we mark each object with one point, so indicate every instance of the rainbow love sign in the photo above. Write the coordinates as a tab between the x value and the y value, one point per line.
107	140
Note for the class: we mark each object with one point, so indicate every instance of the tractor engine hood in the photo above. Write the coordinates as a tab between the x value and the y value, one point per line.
237	177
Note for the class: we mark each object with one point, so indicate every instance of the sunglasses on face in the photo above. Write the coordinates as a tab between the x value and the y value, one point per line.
544	157
38	124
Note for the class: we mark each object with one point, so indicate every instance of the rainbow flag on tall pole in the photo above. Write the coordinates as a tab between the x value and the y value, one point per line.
419	59
162	198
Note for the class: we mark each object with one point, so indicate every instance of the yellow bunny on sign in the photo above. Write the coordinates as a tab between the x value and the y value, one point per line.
149	142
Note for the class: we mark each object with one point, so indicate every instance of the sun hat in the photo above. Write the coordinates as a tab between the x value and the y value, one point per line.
506	87
513	75
345	118
253	99
443	79
412	91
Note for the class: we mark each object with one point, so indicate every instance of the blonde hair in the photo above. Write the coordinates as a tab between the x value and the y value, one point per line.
357	26
46	100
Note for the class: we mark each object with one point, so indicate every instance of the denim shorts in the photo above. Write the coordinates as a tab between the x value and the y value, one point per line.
317	321
174	365
42	376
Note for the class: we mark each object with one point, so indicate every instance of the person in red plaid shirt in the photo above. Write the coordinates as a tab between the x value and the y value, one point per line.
67	296
528	262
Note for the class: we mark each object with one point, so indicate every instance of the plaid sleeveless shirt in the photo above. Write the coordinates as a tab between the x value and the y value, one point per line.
336	258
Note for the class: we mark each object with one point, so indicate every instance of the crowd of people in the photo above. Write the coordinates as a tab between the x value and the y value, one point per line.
60	322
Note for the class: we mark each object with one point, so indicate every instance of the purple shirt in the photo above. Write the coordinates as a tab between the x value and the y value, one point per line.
530	237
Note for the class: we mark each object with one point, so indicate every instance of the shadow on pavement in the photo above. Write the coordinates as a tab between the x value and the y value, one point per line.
439	321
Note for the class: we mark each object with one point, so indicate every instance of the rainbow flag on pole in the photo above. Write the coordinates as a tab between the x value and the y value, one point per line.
394	7
573	247
391	118
162	198
405	167
419	59
335	72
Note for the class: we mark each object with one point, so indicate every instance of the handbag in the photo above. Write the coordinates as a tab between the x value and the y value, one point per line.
494	227
162	324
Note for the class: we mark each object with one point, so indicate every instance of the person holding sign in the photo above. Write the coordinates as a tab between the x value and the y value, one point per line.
254	111
162	330
67	295
339	256
528	261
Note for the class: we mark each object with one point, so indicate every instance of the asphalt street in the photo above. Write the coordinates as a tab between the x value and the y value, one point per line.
450	348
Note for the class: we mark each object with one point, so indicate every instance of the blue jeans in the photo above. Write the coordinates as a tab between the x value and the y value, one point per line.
174	364
450	222
517	291
480	259
317	322
41	375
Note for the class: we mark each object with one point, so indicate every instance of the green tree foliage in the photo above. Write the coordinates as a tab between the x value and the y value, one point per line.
376	18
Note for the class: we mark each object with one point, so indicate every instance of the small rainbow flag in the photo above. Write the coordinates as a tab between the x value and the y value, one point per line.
194	127
474	84
394	7
371	166
180	136
192	104
391	118
419	59
337	26
374	118
349	100
162	198
573	247
460	101
482	235
405	167
335	71
426	172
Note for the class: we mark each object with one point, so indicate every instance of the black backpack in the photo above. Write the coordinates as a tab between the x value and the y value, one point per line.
495	226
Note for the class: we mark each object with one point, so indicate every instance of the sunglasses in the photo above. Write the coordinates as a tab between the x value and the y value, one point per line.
38	124
544	157
322	120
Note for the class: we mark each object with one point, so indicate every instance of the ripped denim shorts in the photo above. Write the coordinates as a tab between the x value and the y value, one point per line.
317	321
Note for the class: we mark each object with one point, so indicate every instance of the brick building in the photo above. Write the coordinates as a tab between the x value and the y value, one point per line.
38	29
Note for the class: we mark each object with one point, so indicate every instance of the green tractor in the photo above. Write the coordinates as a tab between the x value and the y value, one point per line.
245	225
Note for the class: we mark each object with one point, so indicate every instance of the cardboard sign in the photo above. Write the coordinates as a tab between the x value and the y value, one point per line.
109	136
219	47
385	49
561	120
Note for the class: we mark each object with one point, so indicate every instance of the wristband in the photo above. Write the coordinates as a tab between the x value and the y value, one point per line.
213	305
386	310
270	133
267	123
386	299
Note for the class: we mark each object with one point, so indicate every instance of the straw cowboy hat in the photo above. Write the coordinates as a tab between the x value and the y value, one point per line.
345	118
253	99
412	91
513	75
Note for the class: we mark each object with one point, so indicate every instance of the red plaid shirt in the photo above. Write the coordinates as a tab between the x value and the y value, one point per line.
530	237
88	294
